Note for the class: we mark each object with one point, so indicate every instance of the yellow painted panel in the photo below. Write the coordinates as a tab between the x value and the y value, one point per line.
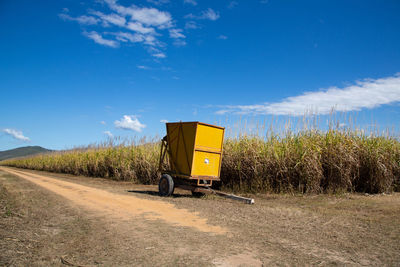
191	145
181	143
206	163
209	138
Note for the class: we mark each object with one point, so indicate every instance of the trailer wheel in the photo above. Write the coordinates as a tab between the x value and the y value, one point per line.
166	185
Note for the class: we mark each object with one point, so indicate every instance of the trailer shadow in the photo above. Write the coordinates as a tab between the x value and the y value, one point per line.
155	193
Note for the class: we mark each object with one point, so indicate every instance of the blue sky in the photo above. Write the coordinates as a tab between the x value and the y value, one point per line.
72	72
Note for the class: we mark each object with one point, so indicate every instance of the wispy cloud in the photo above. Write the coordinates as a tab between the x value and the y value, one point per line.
18	135
142	67
176	33
191	25
367	93
117	24
103	122
179	42
109	134
178	36
159	55
110	19
100	40
192	2
138	27
144	15
129	122
155	52
208	14
127	37
163	121
86	20
129	24
223	37
232	4
158	2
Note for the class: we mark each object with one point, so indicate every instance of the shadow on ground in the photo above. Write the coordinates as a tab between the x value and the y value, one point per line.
155	193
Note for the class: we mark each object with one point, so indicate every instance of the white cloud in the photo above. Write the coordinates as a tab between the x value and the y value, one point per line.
16	135
152	41
191	25
111	18
100	40
159	55
103	122
138	27
152	16
176	33
129	122
158	2
192	2
179	42
144	15
367	93
109	134
163	121
142	67
153	50
163	68
87	20
223	37
128	37
145	22
209	14
232	4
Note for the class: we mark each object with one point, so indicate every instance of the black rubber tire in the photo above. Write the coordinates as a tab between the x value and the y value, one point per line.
197	194
166	186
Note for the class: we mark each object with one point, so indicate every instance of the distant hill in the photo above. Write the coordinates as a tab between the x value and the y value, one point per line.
22	152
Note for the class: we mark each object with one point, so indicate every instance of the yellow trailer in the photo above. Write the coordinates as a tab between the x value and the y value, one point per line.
194	151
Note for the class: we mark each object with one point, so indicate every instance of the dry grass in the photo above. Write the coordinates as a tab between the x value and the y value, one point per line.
137	163
304	161
312	162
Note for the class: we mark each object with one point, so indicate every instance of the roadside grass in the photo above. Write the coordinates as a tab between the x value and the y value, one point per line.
7	203
298	160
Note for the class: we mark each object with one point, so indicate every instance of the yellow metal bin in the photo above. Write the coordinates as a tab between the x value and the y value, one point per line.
194	151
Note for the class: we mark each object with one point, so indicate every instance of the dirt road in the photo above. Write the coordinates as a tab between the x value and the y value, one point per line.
119	206
54	219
